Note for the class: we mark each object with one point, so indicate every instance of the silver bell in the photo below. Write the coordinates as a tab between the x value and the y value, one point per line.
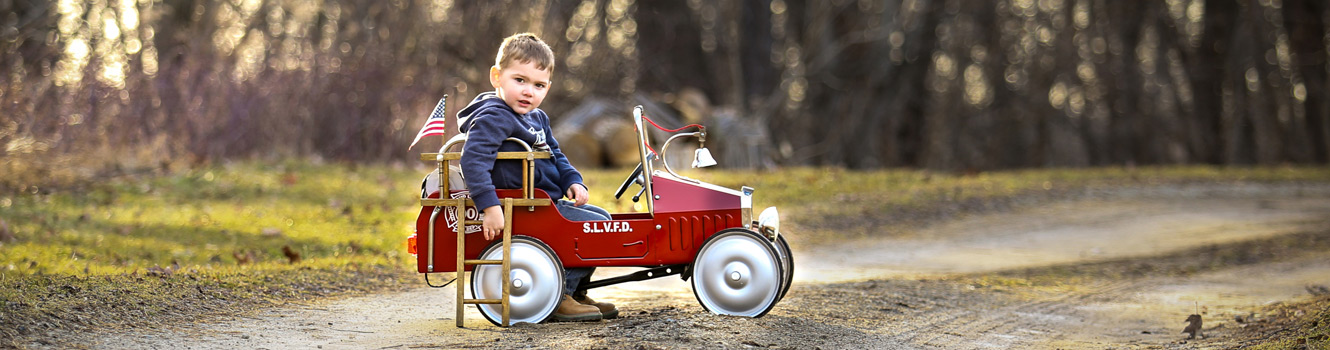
702	158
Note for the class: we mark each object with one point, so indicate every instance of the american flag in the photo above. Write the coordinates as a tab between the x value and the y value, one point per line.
436	124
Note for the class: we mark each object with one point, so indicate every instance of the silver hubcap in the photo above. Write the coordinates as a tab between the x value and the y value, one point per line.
536	283
737	275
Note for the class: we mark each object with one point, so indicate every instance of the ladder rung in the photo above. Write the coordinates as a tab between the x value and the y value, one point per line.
446	156
482	301
435	202
521	155
470	262
517	202
499	155
474	222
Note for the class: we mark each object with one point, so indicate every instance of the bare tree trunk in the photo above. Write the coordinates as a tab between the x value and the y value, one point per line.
1305	21
1236	128
940	148
670	44
759	76
1206	69
1123	81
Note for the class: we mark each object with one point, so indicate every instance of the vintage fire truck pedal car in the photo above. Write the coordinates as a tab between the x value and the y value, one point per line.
738	264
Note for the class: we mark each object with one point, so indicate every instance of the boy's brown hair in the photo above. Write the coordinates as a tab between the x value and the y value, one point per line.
525	48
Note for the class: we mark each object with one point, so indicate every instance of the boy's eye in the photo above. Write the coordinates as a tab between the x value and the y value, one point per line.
540	85
520	80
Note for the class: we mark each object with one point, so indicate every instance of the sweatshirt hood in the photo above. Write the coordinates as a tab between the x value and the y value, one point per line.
482	101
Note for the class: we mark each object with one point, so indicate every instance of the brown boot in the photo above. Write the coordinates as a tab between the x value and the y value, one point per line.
571	310
607	310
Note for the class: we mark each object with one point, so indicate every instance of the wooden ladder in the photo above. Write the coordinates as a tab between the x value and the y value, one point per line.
444	159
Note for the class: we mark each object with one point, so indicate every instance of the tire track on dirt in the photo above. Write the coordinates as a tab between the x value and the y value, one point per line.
1119	283
961	329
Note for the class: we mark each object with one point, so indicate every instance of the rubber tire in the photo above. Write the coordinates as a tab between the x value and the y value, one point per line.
787	260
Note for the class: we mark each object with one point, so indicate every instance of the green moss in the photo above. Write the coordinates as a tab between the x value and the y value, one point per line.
1303	326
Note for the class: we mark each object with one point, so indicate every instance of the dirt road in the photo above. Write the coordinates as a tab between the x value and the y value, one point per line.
1136	263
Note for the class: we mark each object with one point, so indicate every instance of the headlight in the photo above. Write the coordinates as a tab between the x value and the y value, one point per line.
769	222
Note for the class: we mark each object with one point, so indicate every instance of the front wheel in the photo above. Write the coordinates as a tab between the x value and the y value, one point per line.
737	272
536	277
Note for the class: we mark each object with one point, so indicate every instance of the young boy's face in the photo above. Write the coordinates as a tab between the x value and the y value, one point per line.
521	85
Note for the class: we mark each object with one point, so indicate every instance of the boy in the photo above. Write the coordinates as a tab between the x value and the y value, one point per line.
521	78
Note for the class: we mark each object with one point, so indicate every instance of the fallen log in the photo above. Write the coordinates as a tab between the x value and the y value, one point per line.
618	141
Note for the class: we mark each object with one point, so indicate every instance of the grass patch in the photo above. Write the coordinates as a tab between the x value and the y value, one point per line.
330	215
149	248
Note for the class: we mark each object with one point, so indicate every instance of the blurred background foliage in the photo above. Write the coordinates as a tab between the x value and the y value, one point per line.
125	85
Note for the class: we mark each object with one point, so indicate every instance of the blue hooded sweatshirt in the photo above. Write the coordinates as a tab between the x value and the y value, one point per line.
488	121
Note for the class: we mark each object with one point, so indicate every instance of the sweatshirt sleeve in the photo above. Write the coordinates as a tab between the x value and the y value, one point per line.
487	132
568	175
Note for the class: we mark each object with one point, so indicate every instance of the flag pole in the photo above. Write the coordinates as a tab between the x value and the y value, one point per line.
443	137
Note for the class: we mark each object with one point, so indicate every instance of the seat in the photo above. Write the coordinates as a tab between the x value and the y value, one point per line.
456	181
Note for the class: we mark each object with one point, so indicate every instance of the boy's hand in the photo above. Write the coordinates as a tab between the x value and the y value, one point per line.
577	193
493	222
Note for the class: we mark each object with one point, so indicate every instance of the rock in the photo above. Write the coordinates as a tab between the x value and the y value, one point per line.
243	258
5	234
1318	290
159	272
291	254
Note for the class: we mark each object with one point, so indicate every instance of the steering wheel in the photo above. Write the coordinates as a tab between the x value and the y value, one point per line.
635	178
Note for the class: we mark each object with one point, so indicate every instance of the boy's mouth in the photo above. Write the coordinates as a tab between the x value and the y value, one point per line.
523	103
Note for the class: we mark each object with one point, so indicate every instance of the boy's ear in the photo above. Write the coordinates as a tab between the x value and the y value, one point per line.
494	77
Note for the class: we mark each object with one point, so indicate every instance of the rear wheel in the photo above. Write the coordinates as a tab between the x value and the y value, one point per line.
536	282
737	272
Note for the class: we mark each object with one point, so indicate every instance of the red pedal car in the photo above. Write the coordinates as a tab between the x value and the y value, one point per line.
738	264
